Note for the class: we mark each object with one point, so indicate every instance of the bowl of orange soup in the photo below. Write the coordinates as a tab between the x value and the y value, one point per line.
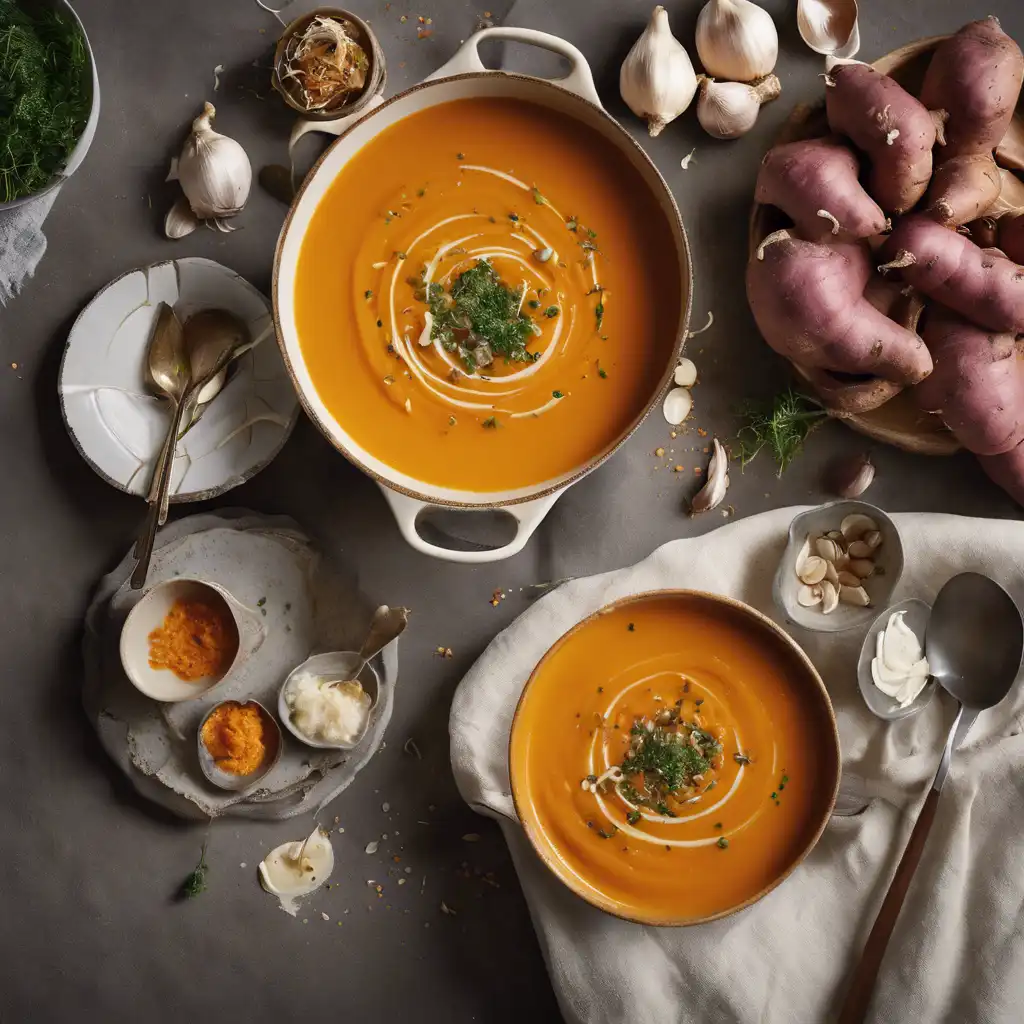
481	290
674	757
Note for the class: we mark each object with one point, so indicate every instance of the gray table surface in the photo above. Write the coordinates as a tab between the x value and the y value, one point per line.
89	929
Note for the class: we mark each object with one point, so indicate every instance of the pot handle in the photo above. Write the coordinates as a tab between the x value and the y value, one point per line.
335	127
528	516
579	81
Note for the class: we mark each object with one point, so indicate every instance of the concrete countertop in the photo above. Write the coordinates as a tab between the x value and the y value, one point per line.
89	928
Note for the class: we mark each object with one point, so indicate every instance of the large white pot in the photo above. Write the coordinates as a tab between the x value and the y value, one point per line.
463	76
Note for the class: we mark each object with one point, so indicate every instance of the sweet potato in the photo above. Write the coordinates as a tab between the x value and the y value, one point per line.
977	386
1011	196
894	129
983	232
1010	151
980	284
815	183
975	76
808	301
1010	235
1007	470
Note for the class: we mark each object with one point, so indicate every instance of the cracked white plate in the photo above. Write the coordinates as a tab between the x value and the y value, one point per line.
118	426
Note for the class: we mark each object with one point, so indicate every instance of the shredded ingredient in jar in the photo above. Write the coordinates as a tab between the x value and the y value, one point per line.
197	639
324	64
237	737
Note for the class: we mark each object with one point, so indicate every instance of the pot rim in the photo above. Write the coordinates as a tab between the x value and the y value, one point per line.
497	499
606	904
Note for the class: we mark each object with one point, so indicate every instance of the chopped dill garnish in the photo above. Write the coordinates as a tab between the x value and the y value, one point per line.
740	758
602	373
633	817
538	198
608	835
533	304
599	314
723	843
551	311
44	95
660	755
368	294
460	156
195	882
781	425
571	224
480	318
514	217
491	422
558	394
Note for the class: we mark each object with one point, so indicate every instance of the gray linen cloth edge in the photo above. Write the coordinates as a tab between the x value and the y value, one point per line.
22	243
957	954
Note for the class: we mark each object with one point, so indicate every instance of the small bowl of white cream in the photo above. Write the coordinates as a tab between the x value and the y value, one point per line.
893	672
323	706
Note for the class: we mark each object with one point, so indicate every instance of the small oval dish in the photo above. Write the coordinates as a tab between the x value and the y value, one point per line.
334	665
149	614
916	615
232	780
886	565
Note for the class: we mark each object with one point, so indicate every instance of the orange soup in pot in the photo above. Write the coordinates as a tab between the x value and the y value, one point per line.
488	295
673	758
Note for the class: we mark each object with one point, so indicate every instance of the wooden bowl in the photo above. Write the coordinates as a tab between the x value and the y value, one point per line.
899	422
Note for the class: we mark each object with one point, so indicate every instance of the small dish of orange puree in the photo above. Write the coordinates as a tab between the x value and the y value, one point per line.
674	757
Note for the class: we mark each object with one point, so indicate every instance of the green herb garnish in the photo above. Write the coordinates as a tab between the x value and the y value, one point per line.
599	314
608	835
491	422
633	817
368	294
551	311
480	318
195	882
723	843
45	95
538	198
558	394
632	627
657	753
571	224
602	373
781	425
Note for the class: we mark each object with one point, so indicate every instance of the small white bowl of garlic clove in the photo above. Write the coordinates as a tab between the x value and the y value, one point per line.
841	565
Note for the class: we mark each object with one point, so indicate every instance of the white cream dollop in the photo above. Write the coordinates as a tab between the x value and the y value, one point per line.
297	869
899	668
326	712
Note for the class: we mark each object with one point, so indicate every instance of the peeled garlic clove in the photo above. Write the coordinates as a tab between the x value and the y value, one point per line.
736	40
832	574
813	570
873	539
677	406
808	597
657	80
854	526
180	220
829	597
848	579
862	568
854	595
686	373
851	477
842	562
829	26
859	549
712	493
727	110
827	549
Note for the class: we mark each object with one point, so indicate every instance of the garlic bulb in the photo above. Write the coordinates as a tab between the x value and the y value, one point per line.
213	170
657	80
728	110
736	40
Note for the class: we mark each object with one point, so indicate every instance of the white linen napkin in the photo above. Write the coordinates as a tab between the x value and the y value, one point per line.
22	243
957	954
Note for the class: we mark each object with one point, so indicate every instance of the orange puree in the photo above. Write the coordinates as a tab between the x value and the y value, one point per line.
197	639
237	738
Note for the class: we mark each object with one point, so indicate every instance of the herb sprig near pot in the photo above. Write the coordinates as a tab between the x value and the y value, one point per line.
45	96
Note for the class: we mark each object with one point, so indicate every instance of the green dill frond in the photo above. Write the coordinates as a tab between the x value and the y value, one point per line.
780	424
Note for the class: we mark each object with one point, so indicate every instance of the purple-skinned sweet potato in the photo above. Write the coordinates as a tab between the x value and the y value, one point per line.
815	183
1007	470
975	77
893	128
977	385
808	301
980	284
1010	235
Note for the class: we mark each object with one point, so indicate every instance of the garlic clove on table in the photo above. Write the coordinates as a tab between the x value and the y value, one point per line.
727	110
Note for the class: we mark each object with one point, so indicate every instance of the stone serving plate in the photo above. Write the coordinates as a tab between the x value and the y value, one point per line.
880	587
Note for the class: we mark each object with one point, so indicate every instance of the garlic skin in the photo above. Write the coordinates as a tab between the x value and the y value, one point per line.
829	27
727	110
657	80
180	220
711	494
736	40
214	172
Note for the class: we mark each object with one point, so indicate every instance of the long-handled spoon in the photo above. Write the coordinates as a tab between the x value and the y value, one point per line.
387	624
210	338
973	643
169	372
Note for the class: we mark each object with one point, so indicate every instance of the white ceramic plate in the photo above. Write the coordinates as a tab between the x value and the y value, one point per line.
118	426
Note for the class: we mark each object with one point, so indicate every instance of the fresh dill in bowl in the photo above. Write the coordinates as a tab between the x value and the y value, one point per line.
45	95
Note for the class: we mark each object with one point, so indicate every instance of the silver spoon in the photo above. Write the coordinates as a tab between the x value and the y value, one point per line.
386	625
211	338
169	372
973	643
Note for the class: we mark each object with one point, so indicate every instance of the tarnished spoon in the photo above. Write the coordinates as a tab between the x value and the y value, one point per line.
209	339
169	372
974	642
386	625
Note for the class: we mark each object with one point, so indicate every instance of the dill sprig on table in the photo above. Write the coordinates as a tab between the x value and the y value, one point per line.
44	96
780	424
195	882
